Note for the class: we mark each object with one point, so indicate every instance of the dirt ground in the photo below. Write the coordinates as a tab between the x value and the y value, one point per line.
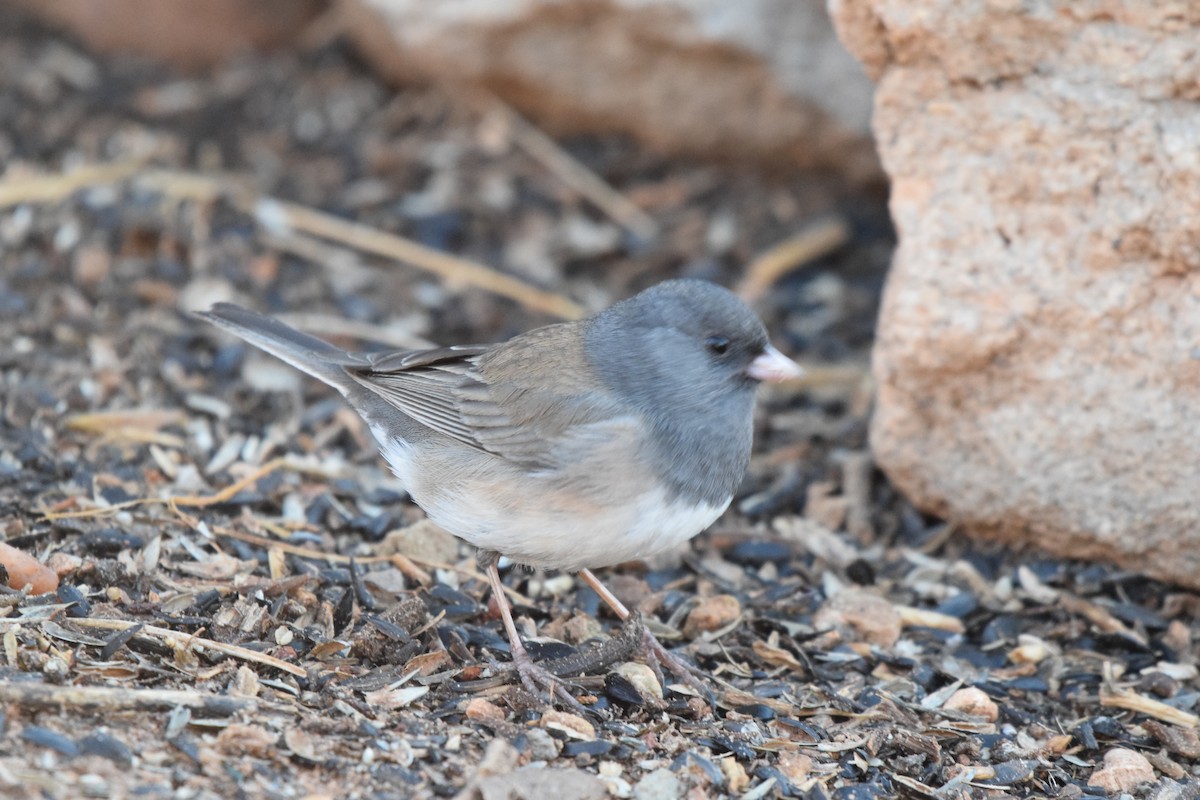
248	605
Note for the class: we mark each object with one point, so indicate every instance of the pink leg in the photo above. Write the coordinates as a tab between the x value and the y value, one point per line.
652	649
540	682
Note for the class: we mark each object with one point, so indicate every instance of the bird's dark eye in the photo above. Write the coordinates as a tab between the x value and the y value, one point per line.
717	344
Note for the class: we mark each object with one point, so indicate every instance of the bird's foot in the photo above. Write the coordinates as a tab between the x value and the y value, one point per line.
658	657
542	683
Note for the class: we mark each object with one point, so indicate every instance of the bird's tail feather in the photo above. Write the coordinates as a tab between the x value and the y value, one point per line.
307	353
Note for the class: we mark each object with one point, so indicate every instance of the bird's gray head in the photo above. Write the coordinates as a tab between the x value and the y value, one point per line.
680	344
687	355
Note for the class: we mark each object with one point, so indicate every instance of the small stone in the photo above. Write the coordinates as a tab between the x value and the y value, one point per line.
823	507
642	678
300	743
580	628
422	541
658	785
712	613
796	767
1179	741
1029	650
91	265
572	725
245	683
736	778
253	740
542	746
500	758
63	564
92	785
534	782
1123	771
975	702
859	616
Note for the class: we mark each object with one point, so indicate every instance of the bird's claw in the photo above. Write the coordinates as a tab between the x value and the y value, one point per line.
658	656
544	684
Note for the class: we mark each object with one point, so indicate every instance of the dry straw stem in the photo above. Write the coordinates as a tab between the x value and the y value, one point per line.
191	641
141	426
189	501
1114	696
106	698
59	186
280	217
574	174
454	270
1132	701
818	239
401	562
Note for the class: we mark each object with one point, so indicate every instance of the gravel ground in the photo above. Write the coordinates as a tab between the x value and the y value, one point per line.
248	606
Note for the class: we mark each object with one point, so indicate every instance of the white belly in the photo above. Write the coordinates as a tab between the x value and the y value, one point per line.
535	521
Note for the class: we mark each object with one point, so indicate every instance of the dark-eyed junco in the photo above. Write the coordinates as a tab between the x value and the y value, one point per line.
574	446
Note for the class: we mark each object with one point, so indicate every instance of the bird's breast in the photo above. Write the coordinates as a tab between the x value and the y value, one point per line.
553	520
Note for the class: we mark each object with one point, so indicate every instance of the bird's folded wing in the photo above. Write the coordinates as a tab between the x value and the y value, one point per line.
523	421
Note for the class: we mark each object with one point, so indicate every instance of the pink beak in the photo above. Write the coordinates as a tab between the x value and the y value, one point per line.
773	366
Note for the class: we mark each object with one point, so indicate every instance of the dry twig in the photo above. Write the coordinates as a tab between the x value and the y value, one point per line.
571	172
454	270
818	239
115	698
193	641
59	186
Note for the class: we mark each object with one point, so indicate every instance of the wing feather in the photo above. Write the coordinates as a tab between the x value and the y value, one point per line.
520	403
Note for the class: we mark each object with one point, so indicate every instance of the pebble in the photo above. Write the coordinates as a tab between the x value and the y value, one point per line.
795	766
573	725
1029	650
542	746
423	541
642	678
859	616
93	785
661	784
711	614
1123	771
975	702
736	779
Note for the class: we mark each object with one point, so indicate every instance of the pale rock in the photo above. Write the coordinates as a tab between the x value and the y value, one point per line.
423	541
975	702
185	34
1038	352
573	725
736	779
762	80
479	709
661	784
532	783
860	617
1123	771
642	678
711	614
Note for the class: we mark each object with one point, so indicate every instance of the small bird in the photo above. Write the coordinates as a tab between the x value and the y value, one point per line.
574	446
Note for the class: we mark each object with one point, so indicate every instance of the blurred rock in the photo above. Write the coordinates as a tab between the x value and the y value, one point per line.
860	617
711	614
973	701
1038	355
1124	770
192	34
764	80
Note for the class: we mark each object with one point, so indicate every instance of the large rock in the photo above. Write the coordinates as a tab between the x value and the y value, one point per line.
195	33
761	79
1038	358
